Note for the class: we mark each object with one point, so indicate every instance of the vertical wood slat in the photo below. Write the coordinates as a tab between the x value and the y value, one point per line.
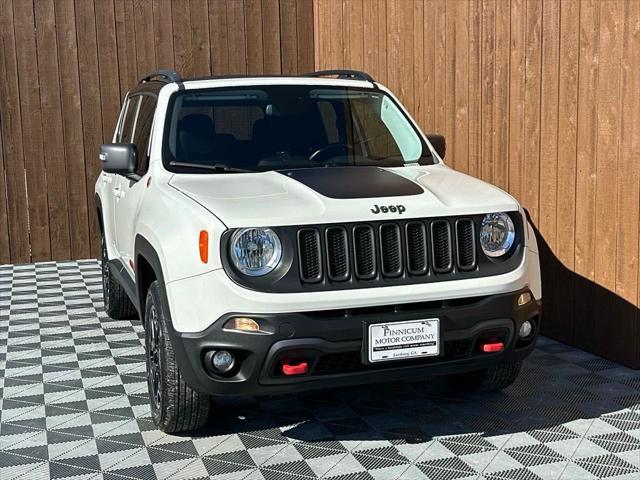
236	37
628	170
425	77
108	64
448	74
461	87
145	38
253	27
271	38
549	127
135	71
182	47
17	214
563	325
219	39
438	24
91	107
474	87
32	138
548	163
289	34
612	325
126	47
517	95
531	146
163	34
56	177
586	172
200	41
305	35
500	131
5	252
420	83
488	126
354	31
628	178
72	127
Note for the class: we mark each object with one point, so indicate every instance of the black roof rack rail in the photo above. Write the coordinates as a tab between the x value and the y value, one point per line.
347	74
167	76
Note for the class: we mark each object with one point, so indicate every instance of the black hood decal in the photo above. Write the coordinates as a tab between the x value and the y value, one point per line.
354	182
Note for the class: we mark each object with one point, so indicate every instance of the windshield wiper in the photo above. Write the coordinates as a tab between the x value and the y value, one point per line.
363	164
218	167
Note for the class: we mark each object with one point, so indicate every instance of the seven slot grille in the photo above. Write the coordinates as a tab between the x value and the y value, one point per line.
386	250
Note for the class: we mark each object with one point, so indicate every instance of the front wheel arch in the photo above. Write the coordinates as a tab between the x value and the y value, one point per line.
148	269
99	213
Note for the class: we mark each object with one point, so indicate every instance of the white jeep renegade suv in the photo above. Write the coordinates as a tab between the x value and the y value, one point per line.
276	234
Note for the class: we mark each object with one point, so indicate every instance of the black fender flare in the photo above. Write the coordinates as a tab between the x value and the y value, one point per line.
144	250
99	213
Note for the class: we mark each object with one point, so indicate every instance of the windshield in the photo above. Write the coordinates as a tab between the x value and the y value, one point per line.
276	127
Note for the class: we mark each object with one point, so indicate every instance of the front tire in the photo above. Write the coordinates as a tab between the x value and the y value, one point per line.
488	380
116	301
175	407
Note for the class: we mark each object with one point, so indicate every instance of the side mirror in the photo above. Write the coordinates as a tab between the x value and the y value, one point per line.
121	158
438	142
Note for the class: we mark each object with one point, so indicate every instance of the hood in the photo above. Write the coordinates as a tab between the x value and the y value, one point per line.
339	195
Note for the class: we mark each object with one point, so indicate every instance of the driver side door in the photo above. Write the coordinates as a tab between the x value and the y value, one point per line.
131	189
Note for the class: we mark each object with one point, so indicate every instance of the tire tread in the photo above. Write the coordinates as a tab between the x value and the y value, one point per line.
118	306
184	408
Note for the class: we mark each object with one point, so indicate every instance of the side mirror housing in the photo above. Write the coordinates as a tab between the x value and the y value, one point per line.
438	142
121	158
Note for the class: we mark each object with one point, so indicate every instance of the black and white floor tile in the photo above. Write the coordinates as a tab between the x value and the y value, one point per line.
73	404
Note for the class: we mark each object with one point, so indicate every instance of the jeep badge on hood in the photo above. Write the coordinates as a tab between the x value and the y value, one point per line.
390	208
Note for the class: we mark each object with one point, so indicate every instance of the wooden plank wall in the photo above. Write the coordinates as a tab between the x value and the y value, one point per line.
64	68
542	98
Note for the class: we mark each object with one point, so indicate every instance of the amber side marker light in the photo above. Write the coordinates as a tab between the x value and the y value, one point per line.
242	324
524	298
203	243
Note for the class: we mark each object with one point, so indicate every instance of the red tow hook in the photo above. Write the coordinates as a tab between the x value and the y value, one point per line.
492	347
299	368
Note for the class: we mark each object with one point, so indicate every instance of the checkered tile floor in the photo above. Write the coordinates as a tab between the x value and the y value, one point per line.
73	404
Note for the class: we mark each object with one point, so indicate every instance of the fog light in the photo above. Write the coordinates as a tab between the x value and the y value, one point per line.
525	329
524	298
223	361
242	324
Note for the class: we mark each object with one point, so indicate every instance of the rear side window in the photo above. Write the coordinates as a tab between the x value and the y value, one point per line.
126	128
142	132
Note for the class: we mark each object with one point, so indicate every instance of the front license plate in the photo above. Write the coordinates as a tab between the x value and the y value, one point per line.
402	340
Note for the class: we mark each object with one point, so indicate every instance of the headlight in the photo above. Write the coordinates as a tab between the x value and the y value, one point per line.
255	251
497	234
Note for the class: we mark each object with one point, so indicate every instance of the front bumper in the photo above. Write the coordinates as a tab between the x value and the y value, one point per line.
332	342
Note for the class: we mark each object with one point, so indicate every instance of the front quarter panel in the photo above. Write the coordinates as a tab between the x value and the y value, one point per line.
171	223
104	208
